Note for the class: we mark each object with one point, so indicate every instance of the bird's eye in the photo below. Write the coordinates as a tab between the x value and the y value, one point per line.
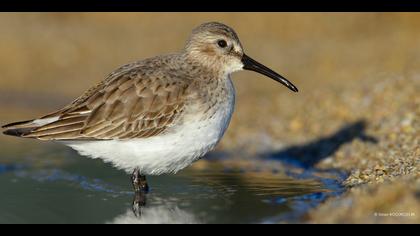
222	43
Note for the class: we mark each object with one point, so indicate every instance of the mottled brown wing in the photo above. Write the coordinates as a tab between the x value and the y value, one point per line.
124	107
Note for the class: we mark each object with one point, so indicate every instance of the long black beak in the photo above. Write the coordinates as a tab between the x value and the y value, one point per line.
251	64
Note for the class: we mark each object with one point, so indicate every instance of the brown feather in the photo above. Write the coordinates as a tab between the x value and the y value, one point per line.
130	103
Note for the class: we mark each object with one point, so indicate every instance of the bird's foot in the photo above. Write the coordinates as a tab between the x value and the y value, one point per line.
141	188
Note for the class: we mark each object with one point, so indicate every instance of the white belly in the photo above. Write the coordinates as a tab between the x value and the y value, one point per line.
168	153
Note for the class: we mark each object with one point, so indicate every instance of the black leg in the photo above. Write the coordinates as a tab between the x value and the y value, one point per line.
140	190
139	182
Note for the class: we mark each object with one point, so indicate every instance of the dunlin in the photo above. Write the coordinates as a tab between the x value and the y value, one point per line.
157	115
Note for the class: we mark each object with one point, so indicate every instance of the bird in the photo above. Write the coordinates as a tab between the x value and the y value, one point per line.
157	115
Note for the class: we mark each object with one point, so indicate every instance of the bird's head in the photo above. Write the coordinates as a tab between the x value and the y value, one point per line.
217	47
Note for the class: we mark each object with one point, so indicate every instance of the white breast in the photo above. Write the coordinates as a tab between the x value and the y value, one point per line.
168	153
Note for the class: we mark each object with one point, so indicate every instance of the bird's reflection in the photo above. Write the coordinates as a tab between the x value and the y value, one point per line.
139	202
161	214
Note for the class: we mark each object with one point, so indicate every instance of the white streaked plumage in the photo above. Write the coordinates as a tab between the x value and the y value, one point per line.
176	149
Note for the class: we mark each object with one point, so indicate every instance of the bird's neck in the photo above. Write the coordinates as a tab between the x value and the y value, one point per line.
200	62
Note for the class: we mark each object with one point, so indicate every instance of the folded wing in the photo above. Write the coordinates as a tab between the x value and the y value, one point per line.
127	105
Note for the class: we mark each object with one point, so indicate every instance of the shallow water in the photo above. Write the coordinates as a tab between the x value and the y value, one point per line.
50	183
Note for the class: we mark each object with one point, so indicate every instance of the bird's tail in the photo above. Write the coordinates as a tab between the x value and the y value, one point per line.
20	128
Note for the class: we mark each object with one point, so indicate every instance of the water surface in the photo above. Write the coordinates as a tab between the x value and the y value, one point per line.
50	183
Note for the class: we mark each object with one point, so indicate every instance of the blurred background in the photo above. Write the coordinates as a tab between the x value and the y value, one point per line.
357	74
46	60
